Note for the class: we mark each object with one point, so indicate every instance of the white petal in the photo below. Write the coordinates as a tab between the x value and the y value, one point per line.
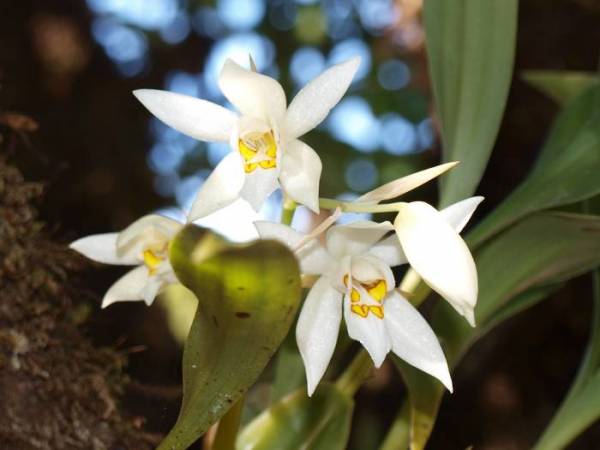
253	94
129	287
314	260
197	118
317	330
413	340
355	238
402	185
221	188
368	268
459	214
312	104
103	248
389	251
338	273
439	255
369	331
301	173
147	228
258	185
151	290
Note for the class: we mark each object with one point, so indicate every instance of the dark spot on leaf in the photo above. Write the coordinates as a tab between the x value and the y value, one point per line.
215	321
241	288
242	314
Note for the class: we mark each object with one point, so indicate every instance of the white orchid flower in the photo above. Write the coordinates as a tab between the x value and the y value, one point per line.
429	239
145	244
354	265
264	135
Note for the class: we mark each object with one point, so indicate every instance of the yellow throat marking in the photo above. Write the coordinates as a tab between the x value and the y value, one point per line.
376	291
152	261
258	150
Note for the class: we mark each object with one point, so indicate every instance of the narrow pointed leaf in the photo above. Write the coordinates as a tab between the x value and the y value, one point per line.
542	251
565	172
247	299
321	422
560	85
580	408
471	47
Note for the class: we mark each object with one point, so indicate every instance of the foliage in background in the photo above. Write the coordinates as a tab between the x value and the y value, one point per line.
471	49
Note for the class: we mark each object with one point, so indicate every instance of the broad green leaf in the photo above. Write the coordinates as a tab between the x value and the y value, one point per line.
516	269
247	300
321	422
565	172
561	86
471	48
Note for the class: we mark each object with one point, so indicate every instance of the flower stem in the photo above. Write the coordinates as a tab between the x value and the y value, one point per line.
228	427
413	285
288	210
356	374
328	203
399	431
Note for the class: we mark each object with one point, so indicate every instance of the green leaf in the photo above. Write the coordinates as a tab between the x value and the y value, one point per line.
247	300
580	407
516	269
289	369
471	48
565	172
578	410
560	85
321	422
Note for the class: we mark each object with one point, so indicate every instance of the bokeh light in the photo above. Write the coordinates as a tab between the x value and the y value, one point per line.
127	47
393	75
306	63
398	135
241	14
361	175
352	121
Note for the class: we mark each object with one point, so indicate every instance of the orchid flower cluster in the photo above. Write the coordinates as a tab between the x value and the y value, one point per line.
351	265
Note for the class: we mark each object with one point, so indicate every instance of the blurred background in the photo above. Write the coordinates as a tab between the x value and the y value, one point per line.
71	66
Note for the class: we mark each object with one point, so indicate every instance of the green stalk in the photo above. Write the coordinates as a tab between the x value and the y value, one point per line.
328	203
356	374
416	289
287	213
228	427
399	431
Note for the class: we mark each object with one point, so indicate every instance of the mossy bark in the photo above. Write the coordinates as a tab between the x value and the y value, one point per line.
57	391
